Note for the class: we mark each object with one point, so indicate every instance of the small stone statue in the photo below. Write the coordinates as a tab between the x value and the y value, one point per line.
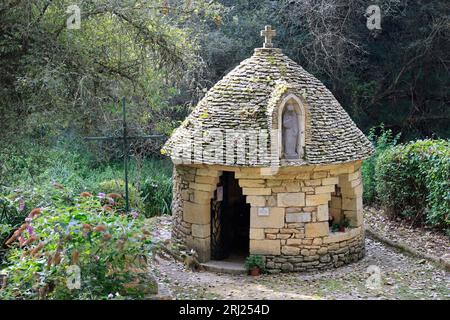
290	132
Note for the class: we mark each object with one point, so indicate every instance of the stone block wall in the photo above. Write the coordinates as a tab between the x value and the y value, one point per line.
193	189
289	215
334	251
180	179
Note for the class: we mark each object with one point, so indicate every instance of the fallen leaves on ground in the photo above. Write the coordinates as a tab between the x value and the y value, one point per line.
402	277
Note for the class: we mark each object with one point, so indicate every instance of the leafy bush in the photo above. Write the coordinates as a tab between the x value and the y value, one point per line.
157	196
381	141
117	186
339	226
28	163
10	210
108	247
9	216
14	206
413	181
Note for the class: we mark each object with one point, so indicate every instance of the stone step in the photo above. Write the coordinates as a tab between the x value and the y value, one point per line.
230	267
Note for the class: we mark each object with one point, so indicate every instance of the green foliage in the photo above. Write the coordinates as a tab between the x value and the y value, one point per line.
15	204
117	186
9	216
5	231
254	261
157	195
381	139
396	82
337	226
30	163
150	183
390	75
9	211
56	80
413	181
108	247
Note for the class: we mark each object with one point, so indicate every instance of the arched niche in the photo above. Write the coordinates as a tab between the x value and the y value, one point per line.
299	110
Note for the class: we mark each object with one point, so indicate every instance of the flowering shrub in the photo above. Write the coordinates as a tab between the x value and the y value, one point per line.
13	209
116	188
106	246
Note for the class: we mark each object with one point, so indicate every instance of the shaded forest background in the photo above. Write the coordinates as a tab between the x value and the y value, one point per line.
58	85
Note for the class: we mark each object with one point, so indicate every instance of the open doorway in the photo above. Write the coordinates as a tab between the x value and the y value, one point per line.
230	220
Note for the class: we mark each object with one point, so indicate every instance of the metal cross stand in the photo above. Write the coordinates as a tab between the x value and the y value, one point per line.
125	138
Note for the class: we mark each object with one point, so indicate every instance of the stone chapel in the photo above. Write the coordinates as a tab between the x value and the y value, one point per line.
268	163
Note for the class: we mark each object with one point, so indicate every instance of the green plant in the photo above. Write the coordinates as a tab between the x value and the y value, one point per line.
156	195
335	227
13	209
109	247
9	211
413	181
70	167
344	223
117	186
381	141
254	261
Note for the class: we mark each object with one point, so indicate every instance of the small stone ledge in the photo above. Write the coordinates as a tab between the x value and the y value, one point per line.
342	236
225	267
322	257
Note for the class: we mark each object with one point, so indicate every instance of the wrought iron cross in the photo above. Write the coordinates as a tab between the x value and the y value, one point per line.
268	34
125	138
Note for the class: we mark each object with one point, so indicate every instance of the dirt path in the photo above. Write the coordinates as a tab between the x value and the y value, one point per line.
402	277
425	240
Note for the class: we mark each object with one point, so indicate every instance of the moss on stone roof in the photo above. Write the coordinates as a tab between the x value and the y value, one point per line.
245	99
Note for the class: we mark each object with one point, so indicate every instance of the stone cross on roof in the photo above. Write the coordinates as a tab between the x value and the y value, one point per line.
268	33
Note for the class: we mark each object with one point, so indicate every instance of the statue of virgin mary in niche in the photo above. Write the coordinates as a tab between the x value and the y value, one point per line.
290	133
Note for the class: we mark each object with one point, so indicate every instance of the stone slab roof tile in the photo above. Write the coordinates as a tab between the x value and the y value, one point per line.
245	100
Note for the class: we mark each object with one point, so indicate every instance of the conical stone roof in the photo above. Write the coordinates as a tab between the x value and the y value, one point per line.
245	100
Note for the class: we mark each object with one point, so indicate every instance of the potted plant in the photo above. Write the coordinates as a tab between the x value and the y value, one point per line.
345	223
340	226
335	227
254	264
